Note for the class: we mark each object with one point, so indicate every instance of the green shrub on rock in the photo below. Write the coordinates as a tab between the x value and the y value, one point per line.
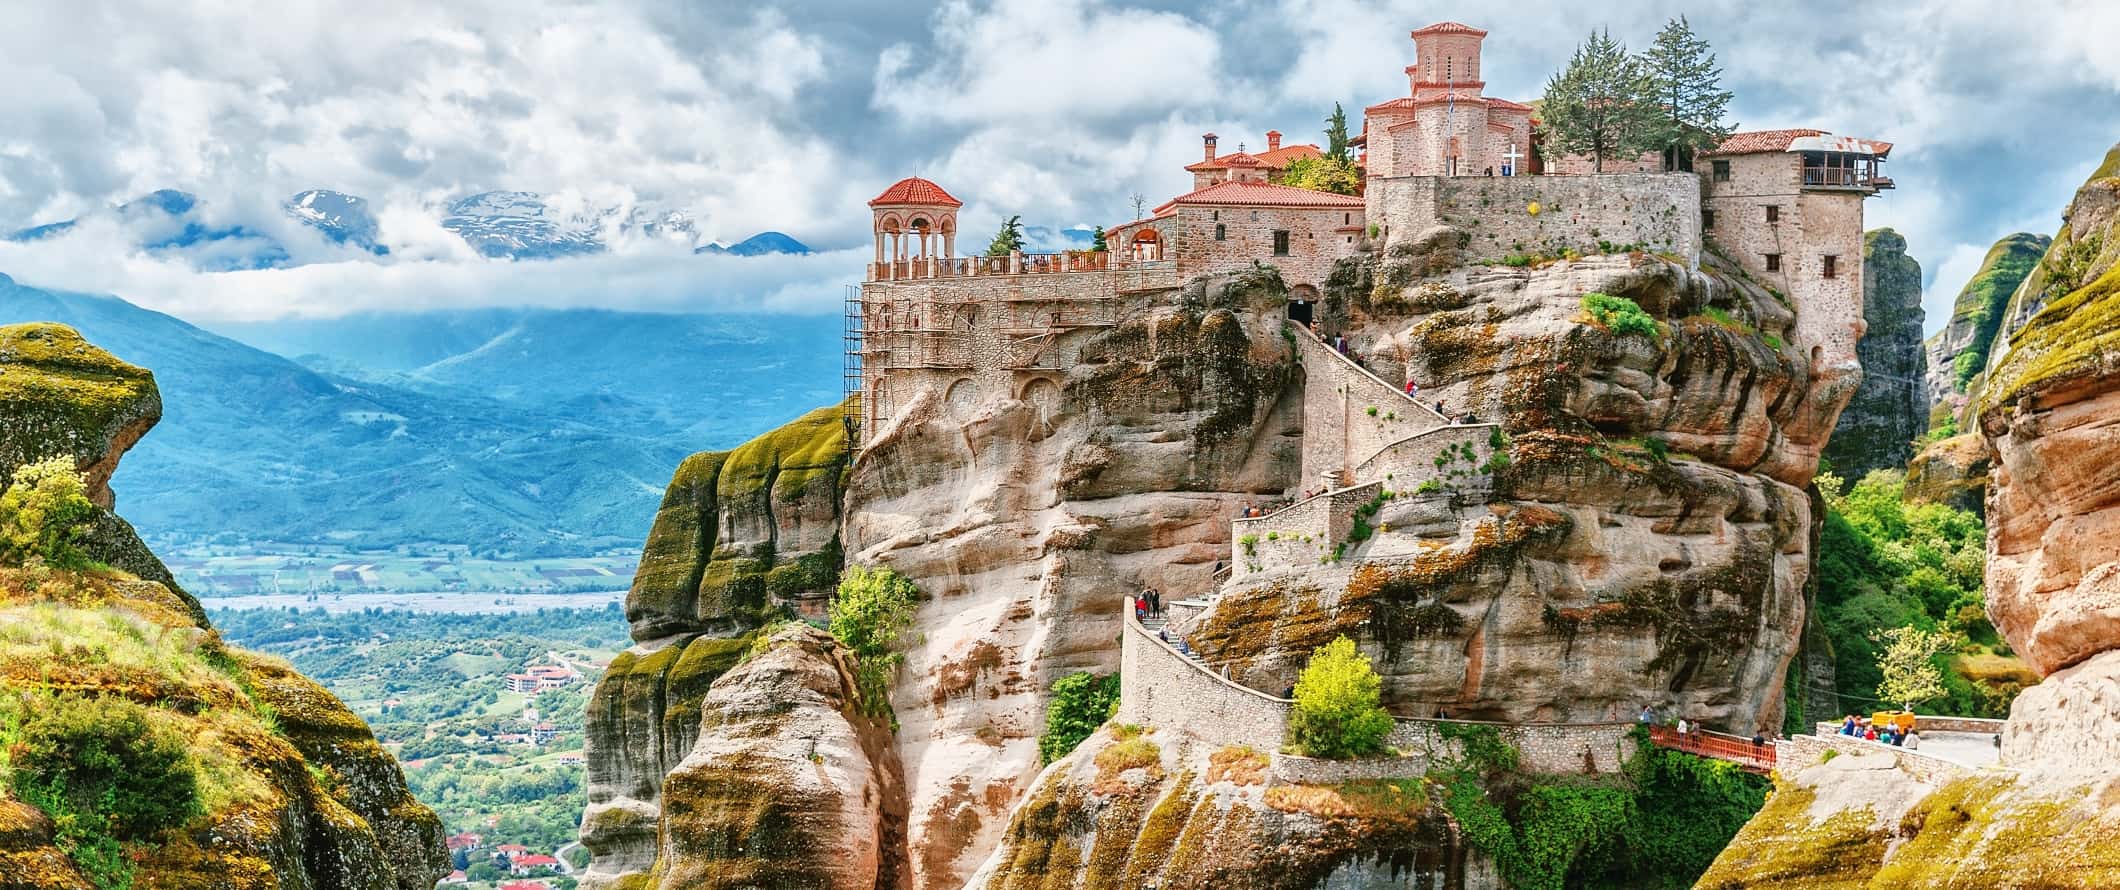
869	615
1337	712
44	514
1081	702
1620	315
105	772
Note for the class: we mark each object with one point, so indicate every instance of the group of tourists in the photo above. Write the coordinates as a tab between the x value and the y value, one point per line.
1149	604
1891	729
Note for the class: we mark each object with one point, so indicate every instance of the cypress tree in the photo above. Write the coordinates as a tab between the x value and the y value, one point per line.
1336	135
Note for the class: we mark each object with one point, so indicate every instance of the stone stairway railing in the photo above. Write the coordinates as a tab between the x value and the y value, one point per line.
1164	686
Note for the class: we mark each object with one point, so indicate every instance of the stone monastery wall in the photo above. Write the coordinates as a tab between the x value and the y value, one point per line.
1339	430
1161	688
1298	535
1658	210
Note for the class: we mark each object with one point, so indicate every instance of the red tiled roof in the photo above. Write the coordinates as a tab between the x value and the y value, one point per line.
1512	106
1261	194
534	861
1449	28
1760	141
1272	160
914	190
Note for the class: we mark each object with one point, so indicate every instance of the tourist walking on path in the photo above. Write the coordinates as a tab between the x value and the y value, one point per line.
1155	603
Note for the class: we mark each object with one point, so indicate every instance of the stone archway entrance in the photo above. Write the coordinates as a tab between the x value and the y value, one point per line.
1147	244
1302	304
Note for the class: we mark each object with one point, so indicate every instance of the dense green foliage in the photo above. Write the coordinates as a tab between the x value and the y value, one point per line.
1659	824
1081	702
103	770
1884	564
1985	297
869	616
1337	711
1325	174
43	515
1620	315
1598	105
1908	665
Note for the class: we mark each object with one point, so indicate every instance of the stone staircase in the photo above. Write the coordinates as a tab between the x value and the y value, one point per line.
1155	626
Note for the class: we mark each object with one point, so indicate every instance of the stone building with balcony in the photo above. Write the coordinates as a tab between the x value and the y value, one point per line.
1787	207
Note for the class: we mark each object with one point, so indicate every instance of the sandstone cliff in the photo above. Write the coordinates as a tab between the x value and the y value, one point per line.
2050	410
292	789
1646	537
1976	321
739	533
1890	410
1128	809
2049	413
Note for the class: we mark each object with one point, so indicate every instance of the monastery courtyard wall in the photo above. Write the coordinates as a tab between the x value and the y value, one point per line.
1660	211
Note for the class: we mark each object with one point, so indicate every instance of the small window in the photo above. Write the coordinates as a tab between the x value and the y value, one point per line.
1773	262
1280	242
1221	231
1707	219
1773	213
1831	266
1218	216
1722	171
1346	219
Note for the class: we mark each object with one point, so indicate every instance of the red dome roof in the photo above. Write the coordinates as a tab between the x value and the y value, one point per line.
915	191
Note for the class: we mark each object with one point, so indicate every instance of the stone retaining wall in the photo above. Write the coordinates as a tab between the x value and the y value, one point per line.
1405	464
1797	753
1350	414
1299	534
1658	210
1159	687
1923	723
1291	769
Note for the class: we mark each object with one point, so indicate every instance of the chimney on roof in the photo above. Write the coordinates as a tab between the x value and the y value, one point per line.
1209	140
1273	140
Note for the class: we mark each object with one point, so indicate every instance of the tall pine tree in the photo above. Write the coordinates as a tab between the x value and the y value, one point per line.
1598	106
1685	94
1009	239
1336	134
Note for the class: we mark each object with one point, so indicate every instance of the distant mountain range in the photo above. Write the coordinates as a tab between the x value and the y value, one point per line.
533	431
499	224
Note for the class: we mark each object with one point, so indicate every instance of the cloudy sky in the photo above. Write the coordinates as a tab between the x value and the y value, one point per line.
789	116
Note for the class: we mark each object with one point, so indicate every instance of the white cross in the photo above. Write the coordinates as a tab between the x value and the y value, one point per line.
1512	157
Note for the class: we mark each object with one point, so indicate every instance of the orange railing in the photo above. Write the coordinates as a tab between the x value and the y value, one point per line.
1758	758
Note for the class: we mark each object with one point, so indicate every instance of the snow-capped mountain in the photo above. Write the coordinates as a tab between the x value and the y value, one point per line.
169	222
756	245
518	225
343	218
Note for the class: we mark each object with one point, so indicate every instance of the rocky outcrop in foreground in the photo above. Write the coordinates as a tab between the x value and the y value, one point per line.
2049	411
291	789
1890	410
1128	809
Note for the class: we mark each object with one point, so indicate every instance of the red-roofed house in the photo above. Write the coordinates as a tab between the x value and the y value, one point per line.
524	885
456	877
1241	165
1232	223
465	841
521	864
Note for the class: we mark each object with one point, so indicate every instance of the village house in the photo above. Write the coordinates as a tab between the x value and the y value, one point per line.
525	864
1243	166
523	885
543	734
455	877
464	840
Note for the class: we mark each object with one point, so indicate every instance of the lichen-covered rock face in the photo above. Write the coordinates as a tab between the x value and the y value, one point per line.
1976	322
1889	411
739	534
2050	411
1952	472
1600	575
1157	810
1025	527
1858	821
295	790
739	528
61	395
789	784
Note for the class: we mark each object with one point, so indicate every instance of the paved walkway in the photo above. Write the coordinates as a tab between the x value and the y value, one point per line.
1973	749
